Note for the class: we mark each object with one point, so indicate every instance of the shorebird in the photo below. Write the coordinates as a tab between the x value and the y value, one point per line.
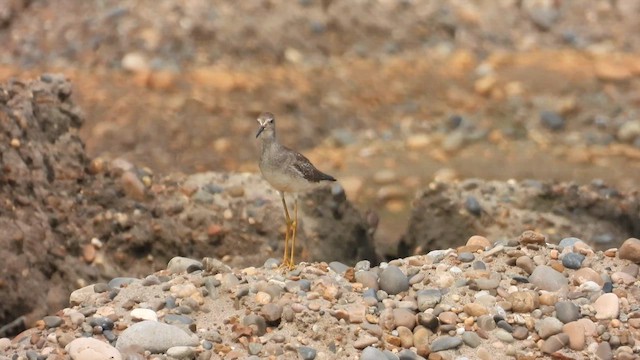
287	171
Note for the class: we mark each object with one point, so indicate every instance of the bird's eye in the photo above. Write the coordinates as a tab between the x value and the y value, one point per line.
270	121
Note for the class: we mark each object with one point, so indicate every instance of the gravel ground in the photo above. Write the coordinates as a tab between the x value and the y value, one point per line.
521	298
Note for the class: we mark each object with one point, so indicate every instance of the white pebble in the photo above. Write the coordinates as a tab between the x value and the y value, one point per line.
144	314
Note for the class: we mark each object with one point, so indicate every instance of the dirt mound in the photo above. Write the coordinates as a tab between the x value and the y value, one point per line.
446	215
66	220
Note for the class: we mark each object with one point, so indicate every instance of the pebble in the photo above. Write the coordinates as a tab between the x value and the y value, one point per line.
364	341
532	237
630	250
371	353
474	309
603	351
179	264
555	343
144	314
576	332
471	339
566	311
586	274
504	336
338	267
52	321
91	349
404	317
466	257
552	120
480	241
272	312
520	333
257	322
607	306
445	343
428	298
573	260
307	353
393	281
4	343
486	322
548	326
546	278
81	295
155	337
180	352
473	206
523	301
525	263
568	242
368	279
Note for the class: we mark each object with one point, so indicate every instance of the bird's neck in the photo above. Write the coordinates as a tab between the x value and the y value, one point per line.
269	141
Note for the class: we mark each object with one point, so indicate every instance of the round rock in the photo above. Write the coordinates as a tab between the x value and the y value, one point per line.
566	311
155	336
607	306
371	353
393	281
546	278
573	260
91	349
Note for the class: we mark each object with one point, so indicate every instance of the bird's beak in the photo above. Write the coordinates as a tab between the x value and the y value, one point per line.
260	131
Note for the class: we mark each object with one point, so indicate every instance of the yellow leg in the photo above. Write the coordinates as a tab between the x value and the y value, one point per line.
294	230
285	259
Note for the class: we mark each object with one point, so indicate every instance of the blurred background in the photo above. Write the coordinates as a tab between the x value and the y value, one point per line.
386	95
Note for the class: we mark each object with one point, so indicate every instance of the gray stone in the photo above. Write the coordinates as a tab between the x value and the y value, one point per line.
307	353
548	326
546	278
52	321
272	312
504	336
568	242
445	343
603	352
466	257
486	322
371	353
338	267
555	343
573	260
428	298
155	337
405	354
566	311
393	281
471	339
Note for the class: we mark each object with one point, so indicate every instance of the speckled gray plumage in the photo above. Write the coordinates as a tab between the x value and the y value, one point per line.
285	169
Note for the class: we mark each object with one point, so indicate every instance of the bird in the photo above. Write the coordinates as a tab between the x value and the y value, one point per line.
287	171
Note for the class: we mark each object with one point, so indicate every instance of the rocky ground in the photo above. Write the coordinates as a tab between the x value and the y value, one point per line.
521	298
141	150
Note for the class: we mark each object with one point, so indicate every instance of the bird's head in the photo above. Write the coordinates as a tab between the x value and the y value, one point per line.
267	125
